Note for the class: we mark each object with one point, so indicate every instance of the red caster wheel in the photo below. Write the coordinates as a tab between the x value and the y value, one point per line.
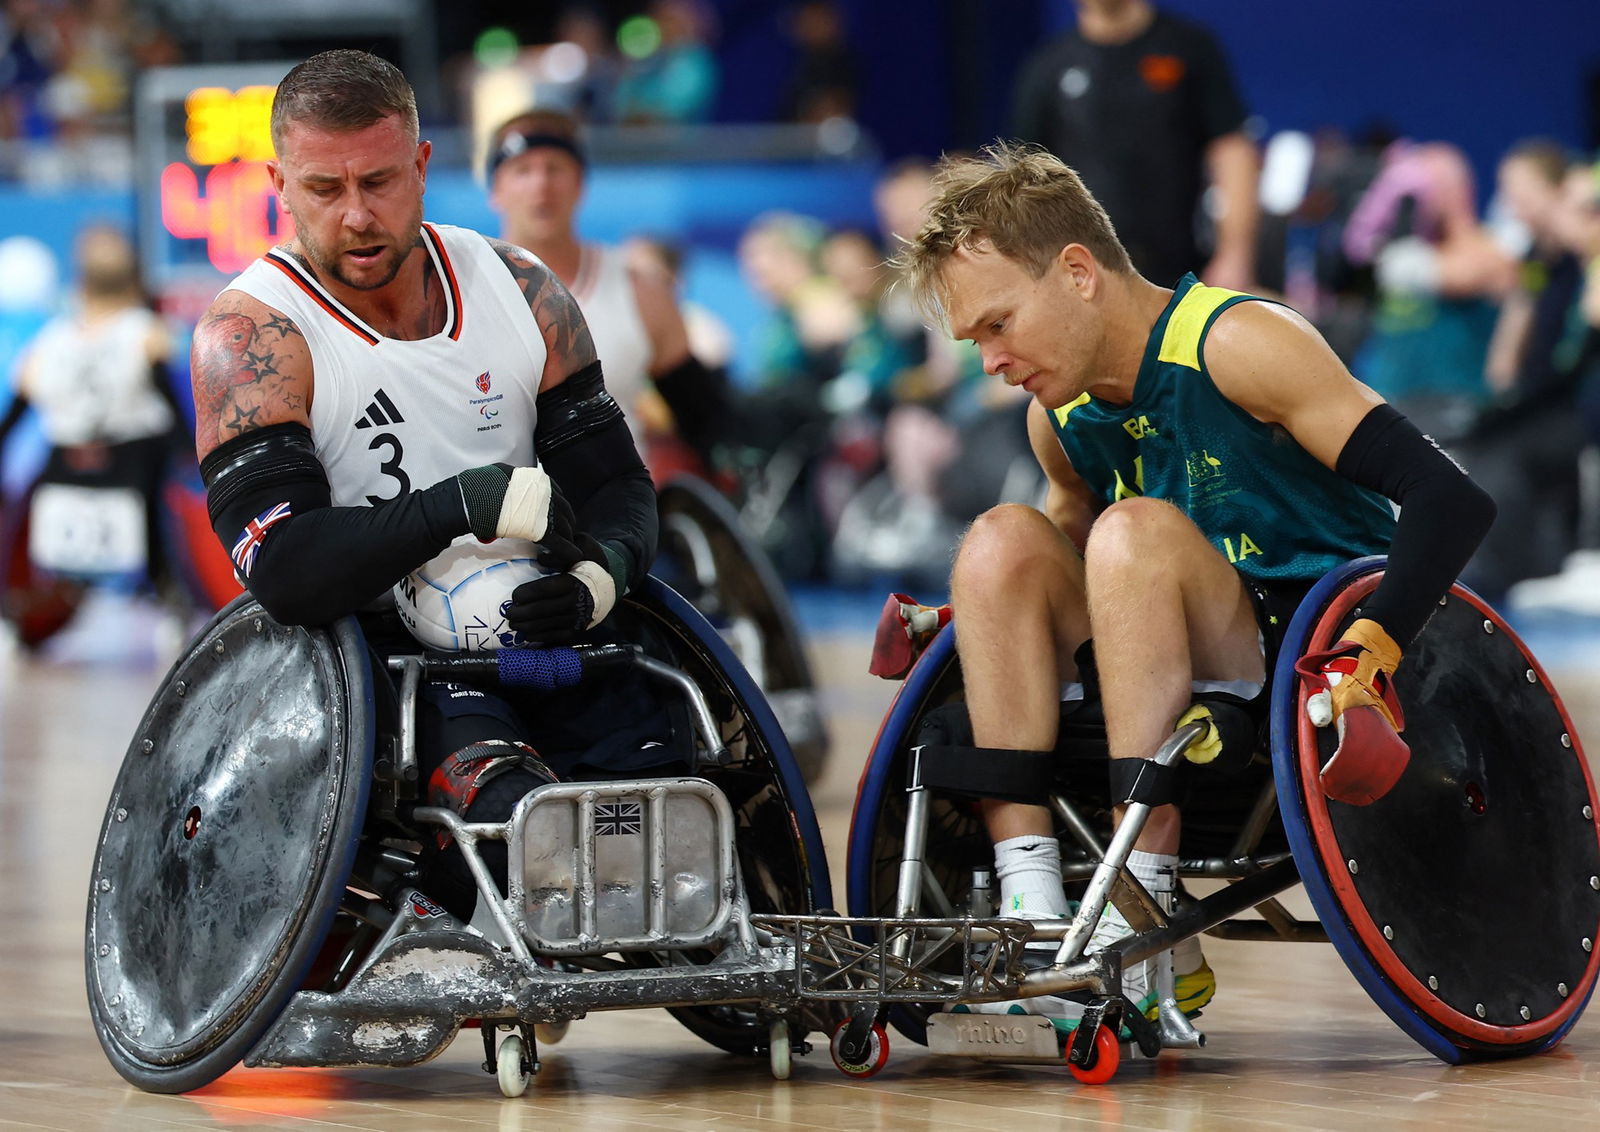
1103	1064
876	1056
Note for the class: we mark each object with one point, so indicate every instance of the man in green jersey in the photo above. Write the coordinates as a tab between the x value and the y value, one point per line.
1209	458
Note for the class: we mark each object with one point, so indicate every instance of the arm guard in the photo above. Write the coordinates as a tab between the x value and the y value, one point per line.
305	560
1443	516
583	442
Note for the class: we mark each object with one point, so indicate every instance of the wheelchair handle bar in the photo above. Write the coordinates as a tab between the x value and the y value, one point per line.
543	668
546	669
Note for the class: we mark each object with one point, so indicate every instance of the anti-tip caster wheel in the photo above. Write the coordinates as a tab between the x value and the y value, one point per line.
1103	1064
874	1058
512	1067
780	1056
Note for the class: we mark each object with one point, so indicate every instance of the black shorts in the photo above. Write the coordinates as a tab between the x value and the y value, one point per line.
1275	603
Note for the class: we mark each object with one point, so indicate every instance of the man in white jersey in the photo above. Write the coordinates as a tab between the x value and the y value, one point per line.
535	172
97	377
380	393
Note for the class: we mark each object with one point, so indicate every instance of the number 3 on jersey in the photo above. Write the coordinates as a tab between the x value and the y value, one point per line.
390	465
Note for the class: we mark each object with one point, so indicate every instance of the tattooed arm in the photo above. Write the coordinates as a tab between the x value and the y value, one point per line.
569	347
250	367
305	560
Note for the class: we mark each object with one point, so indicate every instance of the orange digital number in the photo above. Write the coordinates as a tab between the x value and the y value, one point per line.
234	215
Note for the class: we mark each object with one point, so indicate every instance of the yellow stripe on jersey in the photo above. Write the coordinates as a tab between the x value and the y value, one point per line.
1065	411
1180	345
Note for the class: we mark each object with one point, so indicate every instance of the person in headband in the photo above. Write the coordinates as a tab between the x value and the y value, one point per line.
536	169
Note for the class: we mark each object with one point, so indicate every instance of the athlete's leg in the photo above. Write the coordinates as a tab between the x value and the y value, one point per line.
472	761
1167	609
1018	594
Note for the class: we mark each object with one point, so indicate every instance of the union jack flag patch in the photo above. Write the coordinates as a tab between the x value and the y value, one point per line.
255	533
613	819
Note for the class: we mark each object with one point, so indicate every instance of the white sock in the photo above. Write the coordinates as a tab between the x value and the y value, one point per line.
1158	872
1029	871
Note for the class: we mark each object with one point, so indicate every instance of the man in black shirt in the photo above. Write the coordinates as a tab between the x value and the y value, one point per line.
1143	106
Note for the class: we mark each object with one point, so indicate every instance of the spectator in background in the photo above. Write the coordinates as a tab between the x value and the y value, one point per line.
1577	223
1440	275
30	49
950	437
823	84
536	180
1523	450
800	345
873	357
1533	313
676	83
1580	224
584	25
97	377
1143	106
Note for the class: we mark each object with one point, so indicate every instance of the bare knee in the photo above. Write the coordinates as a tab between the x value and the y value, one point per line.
1002	546
1135	534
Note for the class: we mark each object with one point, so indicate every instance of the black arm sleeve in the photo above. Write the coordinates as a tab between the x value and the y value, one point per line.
701	405
584	444
320	562
14	415
1443	516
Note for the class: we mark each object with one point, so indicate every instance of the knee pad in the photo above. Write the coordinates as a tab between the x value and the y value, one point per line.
459	784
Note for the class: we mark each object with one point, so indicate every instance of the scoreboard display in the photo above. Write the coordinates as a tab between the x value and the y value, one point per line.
205	202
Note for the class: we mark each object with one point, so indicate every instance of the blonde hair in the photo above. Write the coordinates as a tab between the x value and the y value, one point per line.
1022	201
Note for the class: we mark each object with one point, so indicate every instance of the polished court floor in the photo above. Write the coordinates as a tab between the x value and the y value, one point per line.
1293	1041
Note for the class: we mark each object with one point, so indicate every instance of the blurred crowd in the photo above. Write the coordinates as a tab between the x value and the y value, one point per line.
862	439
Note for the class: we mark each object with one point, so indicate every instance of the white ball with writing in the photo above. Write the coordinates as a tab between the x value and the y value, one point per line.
456	602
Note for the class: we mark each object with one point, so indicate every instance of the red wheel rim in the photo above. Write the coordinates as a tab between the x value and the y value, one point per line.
1320	822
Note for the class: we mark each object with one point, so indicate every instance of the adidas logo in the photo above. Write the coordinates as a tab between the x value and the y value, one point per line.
380	412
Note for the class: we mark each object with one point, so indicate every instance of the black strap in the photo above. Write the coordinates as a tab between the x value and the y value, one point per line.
1143	780
989	772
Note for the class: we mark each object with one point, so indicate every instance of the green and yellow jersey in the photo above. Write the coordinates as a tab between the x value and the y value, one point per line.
1269	506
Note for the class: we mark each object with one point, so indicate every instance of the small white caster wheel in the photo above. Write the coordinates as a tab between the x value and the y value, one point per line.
512	1068
549	1033
779	1053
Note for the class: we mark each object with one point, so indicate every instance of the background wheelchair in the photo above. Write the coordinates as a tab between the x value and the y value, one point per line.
708	557
250	896
1466	902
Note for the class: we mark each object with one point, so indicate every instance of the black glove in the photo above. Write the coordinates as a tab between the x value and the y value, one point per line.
573	599
506	502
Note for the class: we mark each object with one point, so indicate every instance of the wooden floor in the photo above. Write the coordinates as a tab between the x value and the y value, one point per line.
1293	1041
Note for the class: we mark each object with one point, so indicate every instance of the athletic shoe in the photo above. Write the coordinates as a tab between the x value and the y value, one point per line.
1193	988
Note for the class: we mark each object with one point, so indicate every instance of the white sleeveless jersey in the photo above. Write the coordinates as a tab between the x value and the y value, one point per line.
391	416
91	384
604	292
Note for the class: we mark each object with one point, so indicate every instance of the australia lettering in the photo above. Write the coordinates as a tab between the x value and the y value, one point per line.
1247	547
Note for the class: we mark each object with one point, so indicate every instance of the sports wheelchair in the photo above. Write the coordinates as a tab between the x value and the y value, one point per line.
1496	811
251	897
